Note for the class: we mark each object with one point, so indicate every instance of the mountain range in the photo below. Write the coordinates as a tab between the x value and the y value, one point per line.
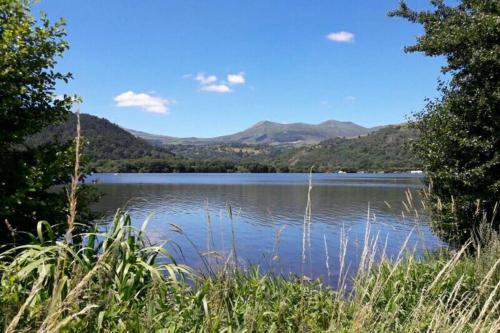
264	147
272	133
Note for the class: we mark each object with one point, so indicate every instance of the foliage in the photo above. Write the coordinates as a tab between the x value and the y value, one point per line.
29	50
30	179
104	279
105	140
234	152
117	282
460	132
180	165
384	150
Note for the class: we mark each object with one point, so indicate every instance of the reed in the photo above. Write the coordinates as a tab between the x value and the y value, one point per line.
114	281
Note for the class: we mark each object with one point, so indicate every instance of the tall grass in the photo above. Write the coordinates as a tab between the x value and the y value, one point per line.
117	281
106	277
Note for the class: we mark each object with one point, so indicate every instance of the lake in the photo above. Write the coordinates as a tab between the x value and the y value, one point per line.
268	215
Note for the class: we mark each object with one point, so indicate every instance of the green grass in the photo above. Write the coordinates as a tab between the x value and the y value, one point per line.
116	282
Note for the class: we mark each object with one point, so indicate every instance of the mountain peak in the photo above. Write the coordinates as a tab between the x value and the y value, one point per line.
269	132
264	123
333	122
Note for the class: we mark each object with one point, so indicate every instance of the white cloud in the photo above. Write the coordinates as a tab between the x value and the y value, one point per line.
341	37
236	78
144	101
210	83
216	88
350	98
205	80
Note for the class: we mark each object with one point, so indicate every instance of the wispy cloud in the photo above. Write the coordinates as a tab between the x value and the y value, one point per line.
210	83
144	101
350	98
341	37
205	80
216	88
236	78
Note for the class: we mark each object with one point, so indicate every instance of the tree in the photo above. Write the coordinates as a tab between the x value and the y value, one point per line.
29	50
459	141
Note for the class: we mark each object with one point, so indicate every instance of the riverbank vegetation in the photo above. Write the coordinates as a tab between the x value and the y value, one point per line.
118	282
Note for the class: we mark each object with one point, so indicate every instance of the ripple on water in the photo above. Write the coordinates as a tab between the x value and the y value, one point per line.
264	203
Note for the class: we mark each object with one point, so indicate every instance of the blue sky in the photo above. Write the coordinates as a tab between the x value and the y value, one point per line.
206	68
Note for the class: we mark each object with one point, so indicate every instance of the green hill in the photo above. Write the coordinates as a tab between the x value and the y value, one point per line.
106	141
234	152
384	150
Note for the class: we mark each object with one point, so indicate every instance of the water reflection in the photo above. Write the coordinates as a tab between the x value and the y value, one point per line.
262	204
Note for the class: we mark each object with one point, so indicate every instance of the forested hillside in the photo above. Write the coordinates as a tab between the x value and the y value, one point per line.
384	150
113	149
235	152
105	140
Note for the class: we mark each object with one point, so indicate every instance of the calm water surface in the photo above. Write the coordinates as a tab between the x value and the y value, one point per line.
266	204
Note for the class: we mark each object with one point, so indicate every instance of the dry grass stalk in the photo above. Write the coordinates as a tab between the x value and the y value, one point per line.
72	196
56	308
34	290
343	272
12	231
233	235
52	318
210	239
72	203
327	258
71	317
306	240
277	243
